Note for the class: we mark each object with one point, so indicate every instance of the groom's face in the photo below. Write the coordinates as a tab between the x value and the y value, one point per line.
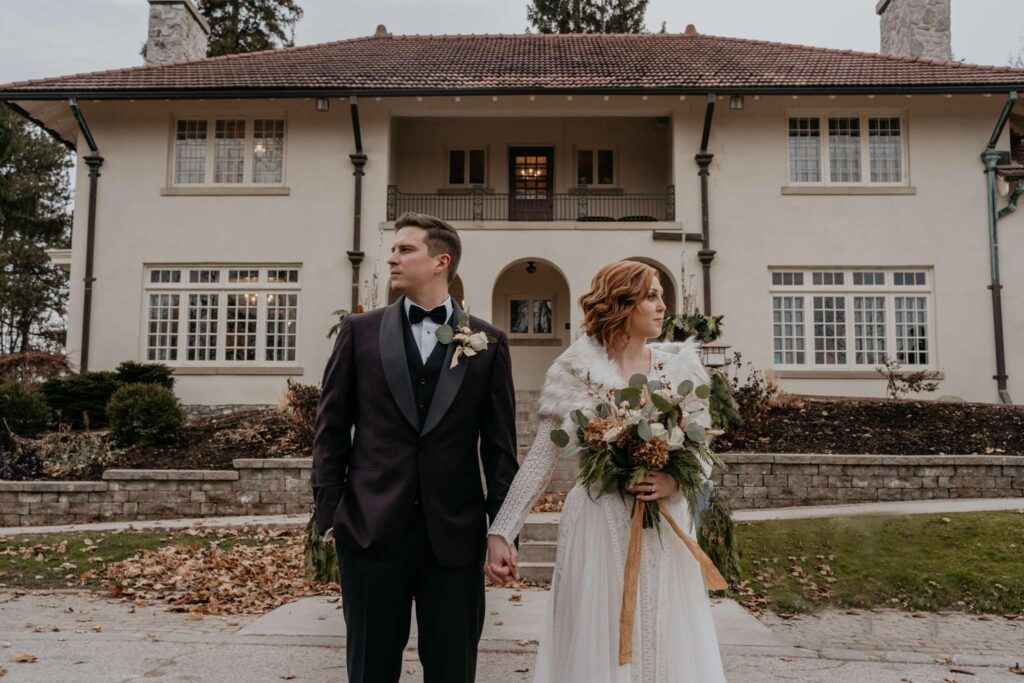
410	264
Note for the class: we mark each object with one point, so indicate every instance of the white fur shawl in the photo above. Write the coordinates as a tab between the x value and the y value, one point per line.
563	391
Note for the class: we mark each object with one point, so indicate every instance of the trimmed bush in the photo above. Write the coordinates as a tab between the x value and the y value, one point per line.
144	415
24	411
130	372
300	406
81	400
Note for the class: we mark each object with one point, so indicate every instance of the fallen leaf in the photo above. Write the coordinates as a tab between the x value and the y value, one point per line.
25	658
288	676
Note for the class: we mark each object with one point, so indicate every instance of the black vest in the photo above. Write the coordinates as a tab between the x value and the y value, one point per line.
424	375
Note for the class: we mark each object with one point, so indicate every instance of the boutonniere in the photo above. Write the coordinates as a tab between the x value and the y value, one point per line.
469	342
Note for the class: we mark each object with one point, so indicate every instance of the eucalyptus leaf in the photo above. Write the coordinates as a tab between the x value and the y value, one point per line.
579	418
703	391
464	320
632	395
643	430
661	403
637	381
685	387
444	334
654	385
560	438
695	432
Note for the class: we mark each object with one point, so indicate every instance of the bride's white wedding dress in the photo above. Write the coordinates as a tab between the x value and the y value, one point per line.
674	637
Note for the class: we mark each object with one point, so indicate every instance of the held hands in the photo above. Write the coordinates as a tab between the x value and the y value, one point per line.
654	486
501	565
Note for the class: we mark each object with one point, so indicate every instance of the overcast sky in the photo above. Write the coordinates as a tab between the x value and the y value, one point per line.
40	38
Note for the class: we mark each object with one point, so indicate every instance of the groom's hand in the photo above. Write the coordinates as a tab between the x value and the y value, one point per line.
501	563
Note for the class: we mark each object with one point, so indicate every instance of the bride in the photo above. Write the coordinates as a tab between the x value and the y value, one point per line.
673	633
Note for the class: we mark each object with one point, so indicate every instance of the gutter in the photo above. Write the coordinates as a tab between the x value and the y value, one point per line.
990	157
358	159
706	254
94	162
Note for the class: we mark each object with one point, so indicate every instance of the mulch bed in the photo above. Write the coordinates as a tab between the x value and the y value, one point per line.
883	427
211	442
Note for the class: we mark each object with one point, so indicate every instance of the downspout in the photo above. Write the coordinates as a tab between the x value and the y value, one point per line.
94	161
706	254
358	159
991	159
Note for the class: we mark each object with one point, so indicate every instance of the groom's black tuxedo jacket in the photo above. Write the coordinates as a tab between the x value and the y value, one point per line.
403	459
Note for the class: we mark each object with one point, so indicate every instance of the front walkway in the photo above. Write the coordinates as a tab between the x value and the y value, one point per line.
77	636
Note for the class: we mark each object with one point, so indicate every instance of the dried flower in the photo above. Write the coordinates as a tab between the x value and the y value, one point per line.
595	430
651	454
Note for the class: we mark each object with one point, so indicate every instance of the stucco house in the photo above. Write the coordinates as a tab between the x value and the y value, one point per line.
837	207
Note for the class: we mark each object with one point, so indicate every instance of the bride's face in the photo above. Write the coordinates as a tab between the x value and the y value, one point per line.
649	313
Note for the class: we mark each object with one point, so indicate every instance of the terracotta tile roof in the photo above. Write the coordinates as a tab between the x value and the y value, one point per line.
536	63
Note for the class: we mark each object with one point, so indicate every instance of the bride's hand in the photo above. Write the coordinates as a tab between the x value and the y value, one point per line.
501	564
654	486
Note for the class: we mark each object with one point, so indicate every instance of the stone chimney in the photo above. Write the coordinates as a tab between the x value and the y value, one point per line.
177	32
916	28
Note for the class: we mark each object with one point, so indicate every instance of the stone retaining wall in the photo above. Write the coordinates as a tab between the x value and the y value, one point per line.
276	486
281	486
765	480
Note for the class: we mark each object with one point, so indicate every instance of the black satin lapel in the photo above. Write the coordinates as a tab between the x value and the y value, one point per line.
449	382
392	358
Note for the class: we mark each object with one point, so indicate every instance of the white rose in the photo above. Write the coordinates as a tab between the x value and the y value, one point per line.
611	435
676	437
478	341
658	430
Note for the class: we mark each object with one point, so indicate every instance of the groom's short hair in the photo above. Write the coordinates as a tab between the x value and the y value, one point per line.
441	238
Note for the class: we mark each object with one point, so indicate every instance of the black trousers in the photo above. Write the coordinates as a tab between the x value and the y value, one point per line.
377	600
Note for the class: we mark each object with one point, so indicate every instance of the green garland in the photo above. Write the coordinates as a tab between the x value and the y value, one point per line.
717	537
320	559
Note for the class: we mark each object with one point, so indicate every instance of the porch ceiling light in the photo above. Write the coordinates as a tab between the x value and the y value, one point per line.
531	267
736	102
323	104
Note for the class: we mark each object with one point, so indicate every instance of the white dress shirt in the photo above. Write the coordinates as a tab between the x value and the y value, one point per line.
424	332
425	335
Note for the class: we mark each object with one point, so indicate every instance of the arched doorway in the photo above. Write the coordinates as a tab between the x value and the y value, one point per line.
531	303
668	282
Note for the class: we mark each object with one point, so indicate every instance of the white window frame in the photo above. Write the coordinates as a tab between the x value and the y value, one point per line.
211	137
531	334
864	115
223	287
594	149
849	291
465	165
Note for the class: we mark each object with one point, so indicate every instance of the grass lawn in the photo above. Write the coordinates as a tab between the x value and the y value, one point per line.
970	562
61	560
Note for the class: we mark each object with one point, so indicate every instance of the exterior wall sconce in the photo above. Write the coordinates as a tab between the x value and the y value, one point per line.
531	267
736	102
713	354
323	104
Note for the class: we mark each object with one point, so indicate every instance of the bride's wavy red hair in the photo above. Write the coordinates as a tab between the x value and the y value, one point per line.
615	292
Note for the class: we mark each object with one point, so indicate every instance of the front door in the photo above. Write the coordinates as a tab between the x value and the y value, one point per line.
531	175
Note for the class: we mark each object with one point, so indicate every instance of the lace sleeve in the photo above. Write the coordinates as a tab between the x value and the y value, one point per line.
529	483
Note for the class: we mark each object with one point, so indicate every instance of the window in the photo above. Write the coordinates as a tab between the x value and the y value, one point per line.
804	150
222	315
531	316
847	148
595	166
467	167
852	327
242	151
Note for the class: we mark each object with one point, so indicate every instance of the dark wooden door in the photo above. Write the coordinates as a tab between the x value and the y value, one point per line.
531	180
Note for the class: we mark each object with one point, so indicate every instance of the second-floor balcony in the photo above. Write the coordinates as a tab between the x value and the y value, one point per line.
532	169
581	204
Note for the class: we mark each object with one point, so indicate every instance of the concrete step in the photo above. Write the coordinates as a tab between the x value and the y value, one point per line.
536	571
540	527
537	551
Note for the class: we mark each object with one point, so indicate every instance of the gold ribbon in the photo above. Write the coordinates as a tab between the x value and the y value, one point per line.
712	577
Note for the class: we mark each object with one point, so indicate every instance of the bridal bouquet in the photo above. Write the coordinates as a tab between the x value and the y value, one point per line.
644	428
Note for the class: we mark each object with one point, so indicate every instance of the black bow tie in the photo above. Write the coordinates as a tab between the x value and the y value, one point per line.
439	315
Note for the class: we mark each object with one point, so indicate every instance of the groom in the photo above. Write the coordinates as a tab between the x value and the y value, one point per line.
401	440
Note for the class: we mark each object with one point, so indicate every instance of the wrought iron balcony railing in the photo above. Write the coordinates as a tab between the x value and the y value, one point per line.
582	204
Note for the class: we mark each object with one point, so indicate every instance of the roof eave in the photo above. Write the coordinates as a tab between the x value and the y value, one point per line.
285	93
53	133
